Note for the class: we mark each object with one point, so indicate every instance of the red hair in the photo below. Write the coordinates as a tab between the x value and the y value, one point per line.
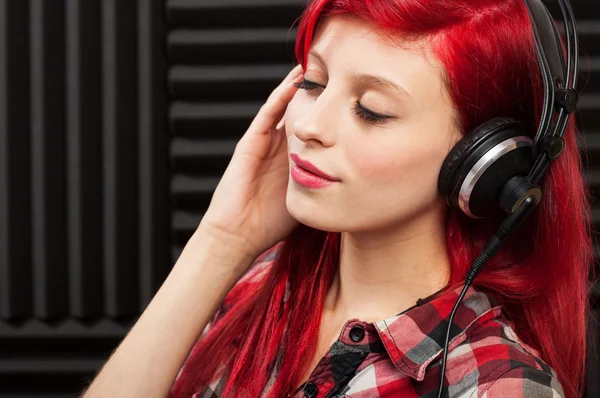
541	273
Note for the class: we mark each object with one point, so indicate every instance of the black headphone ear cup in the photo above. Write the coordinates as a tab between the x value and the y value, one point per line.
464	146
470	149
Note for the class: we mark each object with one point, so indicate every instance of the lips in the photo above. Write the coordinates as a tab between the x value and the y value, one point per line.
311	168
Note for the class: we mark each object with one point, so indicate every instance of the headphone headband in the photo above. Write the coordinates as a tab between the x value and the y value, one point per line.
560	91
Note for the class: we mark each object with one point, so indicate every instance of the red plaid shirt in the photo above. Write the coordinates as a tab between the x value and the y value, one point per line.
401	356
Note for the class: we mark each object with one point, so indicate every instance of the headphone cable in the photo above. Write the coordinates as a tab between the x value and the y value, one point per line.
508	225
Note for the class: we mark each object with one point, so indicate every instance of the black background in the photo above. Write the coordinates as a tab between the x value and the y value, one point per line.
117	119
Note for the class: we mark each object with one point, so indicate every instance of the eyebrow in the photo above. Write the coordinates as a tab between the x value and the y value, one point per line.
376	81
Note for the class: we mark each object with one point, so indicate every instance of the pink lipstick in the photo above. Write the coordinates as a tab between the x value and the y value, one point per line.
309	175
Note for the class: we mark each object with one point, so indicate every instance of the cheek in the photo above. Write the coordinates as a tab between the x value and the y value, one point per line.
406	165
376	162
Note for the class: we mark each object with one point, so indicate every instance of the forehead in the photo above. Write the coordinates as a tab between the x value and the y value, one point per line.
350	44
350	30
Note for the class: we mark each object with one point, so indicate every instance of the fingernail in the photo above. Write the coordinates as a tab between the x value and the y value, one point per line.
280	124
298	79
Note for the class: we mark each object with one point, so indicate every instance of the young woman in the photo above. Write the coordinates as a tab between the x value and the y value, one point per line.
339	281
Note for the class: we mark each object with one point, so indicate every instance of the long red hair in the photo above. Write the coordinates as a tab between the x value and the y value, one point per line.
541	274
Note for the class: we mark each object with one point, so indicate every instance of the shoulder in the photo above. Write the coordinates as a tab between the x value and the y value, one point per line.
255	273
257	270
261	264
522	381
497	363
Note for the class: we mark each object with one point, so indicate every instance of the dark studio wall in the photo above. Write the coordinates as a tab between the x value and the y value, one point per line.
117	119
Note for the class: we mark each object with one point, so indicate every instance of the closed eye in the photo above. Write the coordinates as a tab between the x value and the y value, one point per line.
361	111
307	85
368	115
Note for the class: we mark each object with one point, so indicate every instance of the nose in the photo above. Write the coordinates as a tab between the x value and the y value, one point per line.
313	127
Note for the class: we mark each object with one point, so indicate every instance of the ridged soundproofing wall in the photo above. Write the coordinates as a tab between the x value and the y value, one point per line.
117	119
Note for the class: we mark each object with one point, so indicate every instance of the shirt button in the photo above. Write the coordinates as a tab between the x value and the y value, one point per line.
310	390
357	333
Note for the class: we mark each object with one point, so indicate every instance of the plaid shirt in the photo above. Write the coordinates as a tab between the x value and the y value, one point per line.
401	356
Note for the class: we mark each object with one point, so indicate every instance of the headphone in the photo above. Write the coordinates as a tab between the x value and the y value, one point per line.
495	167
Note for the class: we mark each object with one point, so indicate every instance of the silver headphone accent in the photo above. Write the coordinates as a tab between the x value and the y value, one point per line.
483	164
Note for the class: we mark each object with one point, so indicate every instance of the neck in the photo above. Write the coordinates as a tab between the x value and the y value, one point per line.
381	273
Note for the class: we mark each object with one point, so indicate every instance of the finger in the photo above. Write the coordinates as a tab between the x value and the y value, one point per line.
259	122
273	109
292	74
281	123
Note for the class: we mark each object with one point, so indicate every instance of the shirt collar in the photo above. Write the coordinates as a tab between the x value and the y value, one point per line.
415	338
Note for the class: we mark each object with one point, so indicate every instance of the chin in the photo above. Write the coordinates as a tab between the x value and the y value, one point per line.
313	213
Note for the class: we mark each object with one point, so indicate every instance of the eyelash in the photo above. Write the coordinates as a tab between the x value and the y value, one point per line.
358	109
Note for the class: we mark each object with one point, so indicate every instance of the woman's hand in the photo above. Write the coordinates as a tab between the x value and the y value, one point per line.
248	206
